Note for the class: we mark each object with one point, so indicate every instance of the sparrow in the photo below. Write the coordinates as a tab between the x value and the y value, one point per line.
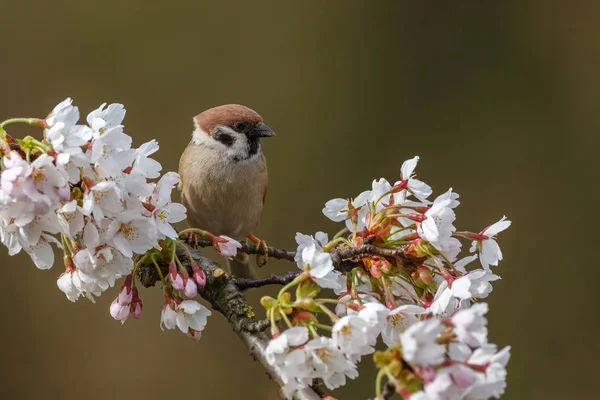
223	175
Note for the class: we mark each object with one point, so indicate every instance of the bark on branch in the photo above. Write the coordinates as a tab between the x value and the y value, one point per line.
226	297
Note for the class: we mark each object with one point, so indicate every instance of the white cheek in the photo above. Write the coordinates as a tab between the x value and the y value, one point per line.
239	146
238	150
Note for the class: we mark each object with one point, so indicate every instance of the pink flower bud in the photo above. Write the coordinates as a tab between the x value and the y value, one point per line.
125	295
120	307
478	237
136	305
199	276
175	278
383	265
136	309
425	275
119	311
191	290
375	271
416	217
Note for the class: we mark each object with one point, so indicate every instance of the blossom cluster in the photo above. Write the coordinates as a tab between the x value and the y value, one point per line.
395	268
405	283
87	190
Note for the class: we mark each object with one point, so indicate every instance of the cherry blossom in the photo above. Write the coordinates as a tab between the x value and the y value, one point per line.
227	246
437	228
470	325
69	284
448	298
395	264
328	362
353	335
165	211
120	307
281	345
398	320
348	210
145	165
320	267
131	232
489	251
188	316
419	189
480	283
71	218
64	112
419	344
451	383
320	239
103	200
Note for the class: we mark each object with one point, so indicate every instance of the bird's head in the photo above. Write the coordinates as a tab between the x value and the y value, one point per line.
232	129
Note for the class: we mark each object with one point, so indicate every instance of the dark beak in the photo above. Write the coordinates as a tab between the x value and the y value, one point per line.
262	130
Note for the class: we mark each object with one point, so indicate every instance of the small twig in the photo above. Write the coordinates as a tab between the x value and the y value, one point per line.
274	252
246	283
338	256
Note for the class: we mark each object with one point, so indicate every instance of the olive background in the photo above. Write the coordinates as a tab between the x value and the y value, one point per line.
500	100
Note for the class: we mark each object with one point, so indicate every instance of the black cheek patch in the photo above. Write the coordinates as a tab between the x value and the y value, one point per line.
224	138
253	144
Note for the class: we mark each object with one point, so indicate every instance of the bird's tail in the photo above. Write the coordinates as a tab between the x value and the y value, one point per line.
241	267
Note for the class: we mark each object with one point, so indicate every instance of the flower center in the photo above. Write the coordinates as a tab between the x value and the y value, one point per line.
38	175
323	354
396	319
129	232
161	215
346	330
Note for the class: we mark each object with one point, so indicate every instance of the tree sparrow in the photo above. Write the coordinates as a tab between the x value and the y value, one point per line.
224	174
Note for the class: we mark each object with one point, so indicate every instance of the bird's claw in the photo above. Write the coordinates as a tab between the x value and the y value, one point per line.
261	259
191	238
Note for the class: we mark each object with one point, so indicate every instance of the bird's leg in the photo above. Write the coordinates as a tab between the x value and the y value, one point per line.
191	236
260	244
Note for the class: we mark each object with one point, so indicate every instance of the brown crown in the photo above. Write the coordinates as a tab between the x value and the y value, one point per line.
226	115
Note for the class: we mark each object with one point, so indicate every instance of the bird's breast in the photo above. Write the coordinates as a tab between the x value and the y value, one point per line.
221	196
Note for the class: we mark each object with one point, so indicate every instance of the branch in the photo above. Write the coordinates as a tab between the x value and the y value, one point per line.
224	292
226	297
244	283
348	258
274	252
344	259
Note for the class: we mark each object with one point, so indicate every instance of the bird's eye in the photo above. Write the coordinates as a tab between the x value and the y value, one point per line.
239	126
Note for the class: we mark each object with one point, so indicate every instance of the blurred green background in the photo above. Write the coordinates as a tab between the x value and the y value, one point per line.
499	99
